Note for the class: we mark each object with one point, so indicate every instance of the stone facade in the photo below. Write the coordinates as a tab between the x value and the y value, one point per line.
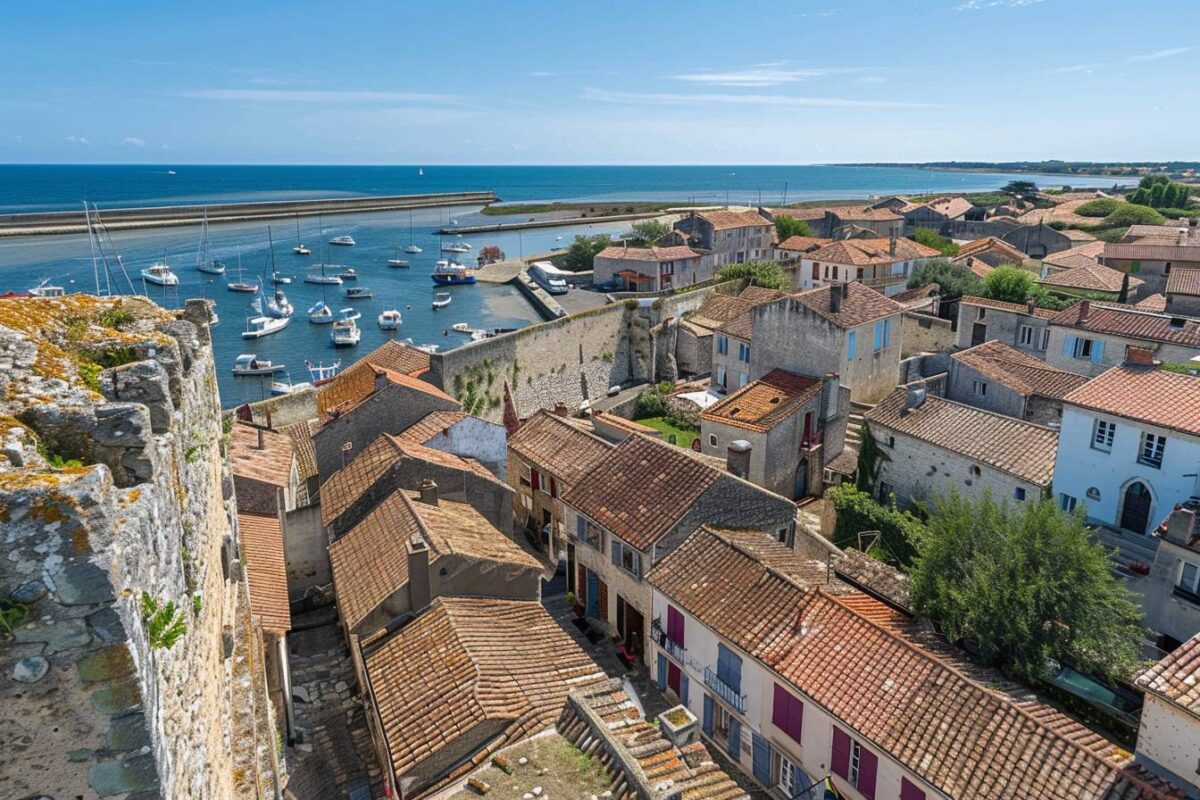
1024	330
1172	608
924	333
1105	350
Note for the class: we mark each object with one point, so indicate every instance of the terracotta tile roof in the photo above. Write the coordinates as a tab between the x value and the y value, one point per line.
1132	323
741	326
757	295
1155	303
950	207
628	425
370	562
1001	305
261	539
861	305
977	267
990	245
301	435
605	713
881	578
451	688
1090	277
870	252
642	490
725	220
356	383
1167	399
719	309
1153	250
1176	678
803	243
1011	445
1168	233
1019	371
557	447
762	404
430	426
272	464
1185	281
1080	256
649	254
870	215
1077	235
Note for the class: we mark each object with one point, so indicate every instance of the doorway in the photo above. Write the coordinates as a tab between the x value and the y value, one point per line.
978	333
1135	508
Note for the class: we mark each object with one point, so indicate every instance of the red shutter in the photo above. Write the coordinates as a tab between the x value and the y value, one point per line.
868	765
535	479
675	625
553	488
840	761
909	790
581	585
603	610
795	724
779	708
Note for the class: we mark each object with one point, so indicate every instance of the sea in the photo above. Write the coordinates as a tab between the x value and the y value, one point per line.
250	249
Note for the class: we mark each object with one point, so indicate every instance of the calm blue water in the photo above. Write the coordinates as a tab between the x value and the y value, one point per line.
37	187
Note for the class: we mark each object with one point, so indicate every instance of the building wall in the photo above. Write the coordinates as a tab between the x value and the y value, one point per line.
685	271
1166	613
997	397
1004	326
1169	739
925	333
1182	304
1113	353
733	245
1043	410
1037	241
736	372
306	546
471	437
693	352
1152	273
918	471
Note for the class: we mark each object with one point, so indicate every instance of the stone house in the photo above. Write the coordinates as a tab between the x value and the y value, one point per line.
990	251
651	269
1095	281
1129	446
849	330
1183	292
1024	327
999	378
548	455
265	476
1040	240
1168	736
779	431
732	237
791	249
634	508
1170	592
730	342
1090	337
1151	252
414	547
694	350
461	434
883	264
937	214
932	446
879	222
1089	254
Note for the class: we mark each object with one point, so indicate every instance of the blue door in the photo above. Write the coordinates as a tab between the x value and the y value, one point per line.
735	737
708	715
762	759
593	594
683	689
662	672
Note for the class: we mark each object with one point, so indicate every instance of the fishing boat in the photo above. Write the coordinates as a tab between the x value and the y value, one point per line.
160	273
257	327
300	249
344	241
345	333
248	364
389	319
287	387
350	313
441	300
320	314
451	273
47	289
359	293
412	248
241	284
204	260
348	274
319	373
397	261
456	247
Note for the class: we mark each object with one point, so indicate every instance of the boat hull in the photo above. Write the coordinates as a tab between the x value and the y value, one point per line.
453	280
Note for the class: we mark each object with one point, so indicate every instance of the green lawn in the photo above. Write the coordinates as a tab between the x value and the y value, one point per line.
683	436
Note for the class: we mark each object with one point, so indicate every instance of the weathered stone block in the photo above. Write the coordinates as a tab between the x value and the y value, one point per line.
145	382
82	584
137	774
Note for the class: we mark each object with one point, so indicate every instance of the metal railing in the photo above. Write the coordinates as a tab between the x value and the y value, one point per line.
724	691
673	648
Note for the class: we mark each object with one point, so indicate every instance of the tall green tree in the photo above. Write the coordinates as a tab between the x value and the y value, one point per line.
953	279
1010	284
1020	188
1028	585
649	231
583	250
787	227
767	274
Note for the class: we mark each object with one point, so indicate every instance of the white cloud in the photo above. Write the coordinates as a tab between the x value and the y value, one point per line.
1138	58
752	77
979	5
667	98
133	141
79	140
320	96
1170	52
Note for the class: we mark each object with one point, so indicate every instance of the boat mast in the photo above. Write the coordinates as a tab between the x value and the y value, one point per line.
87	216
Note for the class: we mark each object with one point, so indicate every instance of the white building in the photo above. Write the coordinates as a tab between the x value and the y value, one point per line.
1129	449
1168	742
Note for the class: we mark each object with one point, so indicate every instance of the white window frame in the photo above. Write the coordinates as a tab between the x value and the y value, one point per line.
1025	335
1045	343
1083	348
1103	432
1066	502
855	761
1183	583
979	388
1152	449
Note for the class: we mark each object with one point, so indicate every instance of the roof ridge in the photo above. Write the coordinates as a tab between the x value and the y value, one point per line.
721	534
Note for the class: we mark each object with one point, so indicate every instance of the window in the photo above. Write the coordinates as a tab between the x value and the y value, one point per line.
1103	432
1151	453
1045	343
891	441
729	668
712	440
1189	577
816	271
1066	502
675	625
787	713
1019	493
1092	493
790	779
590	532
979	388
743	352
743	378
879	343
850	346
721	377
722	345
1025	335
667	268
626	558
909	790
854	763
1085	349
975	471
982	313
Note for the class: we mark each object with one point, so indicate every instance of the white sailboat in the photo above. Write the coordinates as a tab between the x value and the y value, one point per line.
241	284
397	261
204	261
257	327
300	249
412	248
320	314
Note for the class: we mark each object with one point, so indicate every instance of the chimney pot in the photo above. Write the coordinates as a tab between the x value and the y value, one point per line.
1140	356
560	408
1029	307
429	492
262	443
420	581
1085	308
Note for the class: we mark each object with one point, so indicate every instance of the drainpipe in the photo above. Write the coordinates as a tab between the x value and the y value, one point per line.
285	680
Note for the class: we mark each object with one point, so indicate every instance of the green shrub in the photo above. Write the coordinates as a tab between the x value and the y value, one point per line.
1010	284
1100	207
954	280
115	317
858	512
165	624
12	613
650	404
767	274
1132	214
930	238
787	227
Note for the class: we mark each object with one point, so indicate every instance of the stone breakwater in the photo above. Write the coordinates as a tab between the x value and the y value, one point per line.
113	488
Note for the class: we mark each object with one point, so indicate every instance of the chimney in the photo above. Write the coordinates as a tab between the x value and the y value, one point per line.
892	242
262	443
1029	307
429	492
1140	357
737	458
420	581
560	408
835	297
914	395
830	222
1085	307
380	380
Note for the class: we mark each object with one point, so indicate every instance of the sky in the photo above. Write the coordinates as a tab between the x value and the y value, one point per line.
616	82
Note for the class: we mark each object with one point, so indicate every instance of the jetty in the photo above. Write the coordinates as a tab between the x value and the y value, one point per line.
547	222
50	222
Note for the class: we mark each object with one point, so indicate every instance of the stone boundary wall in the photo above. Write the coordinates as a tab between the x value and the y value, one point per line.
924	333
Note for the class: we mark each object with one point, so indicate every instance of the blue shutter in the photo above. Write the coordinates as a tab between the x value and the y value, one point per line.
1069	346
878	336
580	527
1097	351
662	672
735	672
887	332
735	737
761	752
707	722
616	552
850	345
683	688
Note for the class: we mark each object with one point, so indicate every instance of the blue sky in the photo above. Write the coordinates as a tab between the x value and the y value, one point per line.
562	82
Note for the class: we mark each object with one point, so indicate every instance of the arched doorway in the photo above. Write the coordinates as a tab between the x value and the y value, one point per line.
1135	507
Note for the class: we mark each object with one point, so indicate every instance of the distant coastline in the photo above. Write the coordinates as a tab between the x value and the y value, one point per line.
1121	171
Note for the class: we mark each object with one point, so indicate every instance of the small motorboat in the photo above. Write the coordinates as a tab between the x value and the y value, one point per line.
441	300
479	336
320	314
301	250
344	241
456	247
287	387
397	261
47	289
345	333
426	348
351	313
359	293
160	273
461	327
389	319
248	364
452	273
412	248
348	274
280	306
257	327
280	280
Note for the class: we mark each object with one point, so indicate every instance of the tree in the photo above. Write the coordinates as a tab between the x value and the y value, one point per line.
1123	295
583	250
649	231
767	274
787	227
1020	188
1010	284
952	279
1028	585
930	238
1159	191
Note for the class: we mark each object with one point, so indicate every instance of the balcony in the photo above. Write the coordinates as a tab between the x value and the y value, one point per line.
674	650
724	691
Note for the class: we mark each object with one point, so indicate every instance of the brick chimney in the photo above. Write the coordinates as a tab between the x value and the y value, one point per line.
892	242
737	458
835	297
420	581
1029	307
1140	357
1085	308
560	408
429	492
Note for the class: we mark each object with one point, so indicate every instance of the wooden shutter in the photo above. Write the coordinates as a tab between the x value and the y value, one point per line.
840	759
868	765
779	708
909	790
535	479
